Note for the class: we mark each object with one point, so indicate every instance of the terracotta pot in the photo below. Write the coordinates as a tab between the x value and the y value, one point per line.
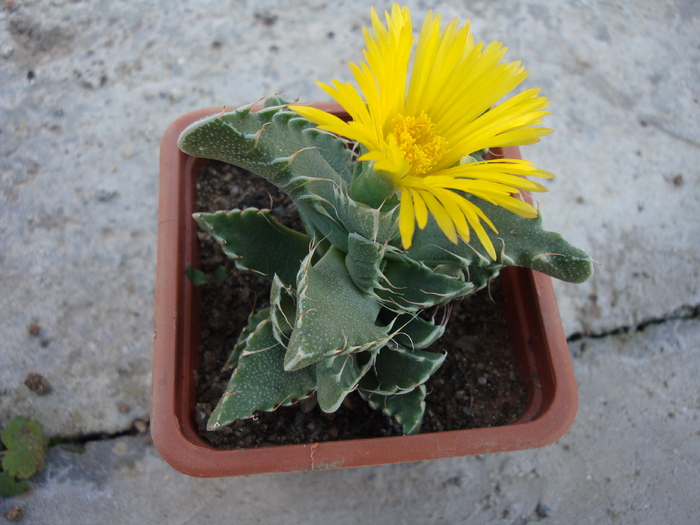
535	329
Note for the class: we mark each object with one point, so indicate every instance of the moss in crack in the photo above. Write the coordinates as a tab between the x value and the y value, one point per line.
23	455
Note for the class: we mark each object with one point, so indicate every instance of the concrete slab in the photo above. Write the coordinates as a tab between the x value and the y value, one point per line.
87	90
631	457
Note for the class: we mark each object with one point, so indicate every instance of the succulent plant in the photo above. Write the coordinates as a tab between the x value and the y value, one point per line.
345	300
350	297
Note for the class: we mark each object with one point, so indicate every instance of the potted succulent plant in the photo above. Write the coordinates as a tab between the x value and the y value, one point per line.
348	295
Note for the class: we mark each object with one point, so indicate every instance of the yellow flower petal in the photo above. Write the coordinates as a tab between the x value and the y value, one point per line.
407	224
473	214
421	212
320	117
418	121
442	217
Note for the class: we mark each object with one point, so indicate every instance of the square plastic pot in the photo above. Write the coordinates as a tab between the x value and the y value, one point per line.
535	329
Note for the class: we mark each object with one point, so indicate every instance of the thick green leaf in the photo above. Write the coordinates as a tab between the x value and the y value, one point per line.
257	242
333	316
364	261
282	310
411	286
397	370
370	223
252	326
519	242
480	276
260	381
261	141
287	150
415	333
338	376
407	408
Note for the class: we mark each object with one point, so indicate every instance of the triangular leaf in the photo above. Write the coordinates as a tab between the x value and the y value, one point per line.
407	409
519	242
251	327
257	241
255	140
338	376
397	370
260	381
283	148
411	286
371	223
282	310
415	333
333	316
364	262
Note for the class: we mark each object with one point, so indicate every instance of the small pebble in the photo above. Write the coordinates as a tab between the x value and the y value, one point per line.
140	426
678	180
176	95
104	195
124	408
128	152
37	384
14	513
34	329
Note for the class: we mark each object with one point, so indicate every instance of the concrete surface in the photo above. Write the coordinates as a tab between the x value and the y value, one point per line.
86	91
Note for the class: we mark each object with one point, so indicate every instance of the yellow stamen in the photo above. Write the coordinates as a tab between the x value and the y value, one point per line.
422	146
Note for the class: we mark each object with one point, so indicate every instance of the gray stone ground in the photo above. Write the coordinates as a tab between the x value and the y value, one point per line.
86	91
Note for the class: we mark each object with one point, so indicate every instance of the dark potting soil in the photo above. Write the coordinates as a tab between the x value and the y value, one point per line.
478	385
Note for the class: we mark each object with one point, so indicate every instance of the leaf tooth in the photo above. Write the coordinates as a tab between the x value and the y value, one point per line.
297	123
281	117
255	137
288	160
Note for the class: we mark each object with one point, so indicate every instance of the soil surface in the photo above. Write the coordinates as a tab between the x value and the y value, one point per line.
478	385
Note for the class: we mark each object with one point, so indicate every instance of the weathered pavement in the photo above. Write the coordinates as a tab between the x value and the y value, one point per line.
86	91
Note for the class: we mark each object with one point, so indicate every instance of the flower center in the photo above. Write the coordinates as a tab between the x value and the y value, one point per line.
421	145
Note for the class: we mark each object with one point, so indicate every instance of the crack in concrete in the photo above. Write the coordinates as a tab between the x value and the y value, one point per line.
683	313
138	427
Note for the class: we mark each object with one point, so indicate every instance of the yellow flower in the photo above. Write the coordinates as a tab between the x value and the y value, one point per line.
421	123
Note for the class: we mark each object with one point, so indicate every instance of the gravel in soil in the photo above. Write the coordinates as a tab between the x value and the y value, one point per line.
478	385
